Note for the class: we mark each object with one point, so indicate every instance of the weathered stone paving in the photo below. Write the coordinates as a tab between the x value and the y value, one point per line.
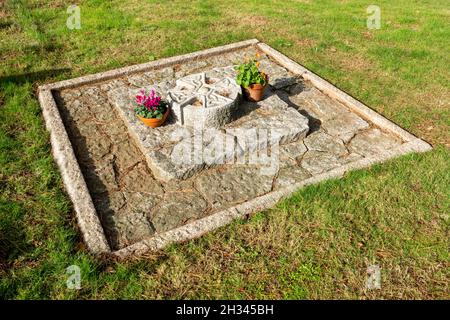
133	202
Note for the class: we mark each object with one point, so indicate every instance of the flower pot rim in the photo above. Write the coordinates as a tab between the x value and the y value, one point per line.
155	119
154	122
258	86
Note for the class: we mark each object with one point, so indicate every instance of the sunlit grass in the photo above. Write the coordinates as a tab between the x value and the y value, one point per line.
316	244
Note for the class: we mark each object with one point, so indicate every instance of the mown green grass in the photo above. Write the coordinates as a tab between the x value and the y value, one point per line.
318	243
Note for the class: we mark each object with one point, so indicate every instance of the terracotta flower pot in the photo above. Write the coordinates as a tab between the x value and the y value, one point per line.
255	92
152	122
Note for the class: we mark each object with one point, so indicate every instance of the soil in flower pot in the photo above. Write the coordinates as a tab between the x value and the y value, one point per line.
153	122
255	92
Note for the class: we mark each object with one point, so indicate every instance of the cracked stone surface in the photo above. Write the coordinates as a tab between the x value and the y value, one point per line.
286	125
287	176
372	142
291	153
177	209
279	77
317	162
233	185
131	227
320	141
134	203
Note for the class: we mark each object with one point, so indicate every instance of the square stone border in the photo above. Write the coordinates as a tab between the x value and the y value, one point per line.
76	187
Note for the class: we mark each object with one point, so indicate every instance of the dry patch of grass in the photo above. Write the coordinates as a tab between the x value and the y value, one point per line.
355	62
434	106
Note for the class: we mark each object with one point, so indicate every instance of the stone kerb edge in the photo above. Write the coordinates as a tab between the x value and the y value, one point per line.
161	63
76	187
87	218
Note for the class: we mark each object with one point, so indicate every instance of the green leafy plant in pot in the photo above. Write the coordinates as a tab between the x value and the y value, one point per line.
252	80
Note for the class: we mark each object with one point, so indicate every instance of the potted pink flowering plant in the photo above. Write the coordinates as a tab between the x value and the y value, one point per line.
151	109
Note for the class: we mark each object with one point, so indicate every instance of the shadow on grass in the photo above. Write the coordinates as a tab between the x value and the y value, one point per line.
13	240
33	76
5	24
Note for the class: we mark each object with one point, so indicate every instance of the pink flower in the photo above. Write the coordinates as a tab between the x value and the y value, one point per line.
151	101
139	99
148	103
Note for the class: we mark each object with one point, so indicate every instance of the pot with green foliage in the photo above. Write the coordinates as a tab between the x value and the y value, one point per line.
252	80
151	109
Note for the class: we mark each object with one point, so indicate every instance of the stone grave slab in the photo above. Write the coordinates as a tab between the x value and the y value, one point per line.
131	195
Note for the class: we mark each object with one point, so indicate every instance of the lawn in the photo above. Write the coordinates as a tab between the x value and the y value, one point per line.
316	244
